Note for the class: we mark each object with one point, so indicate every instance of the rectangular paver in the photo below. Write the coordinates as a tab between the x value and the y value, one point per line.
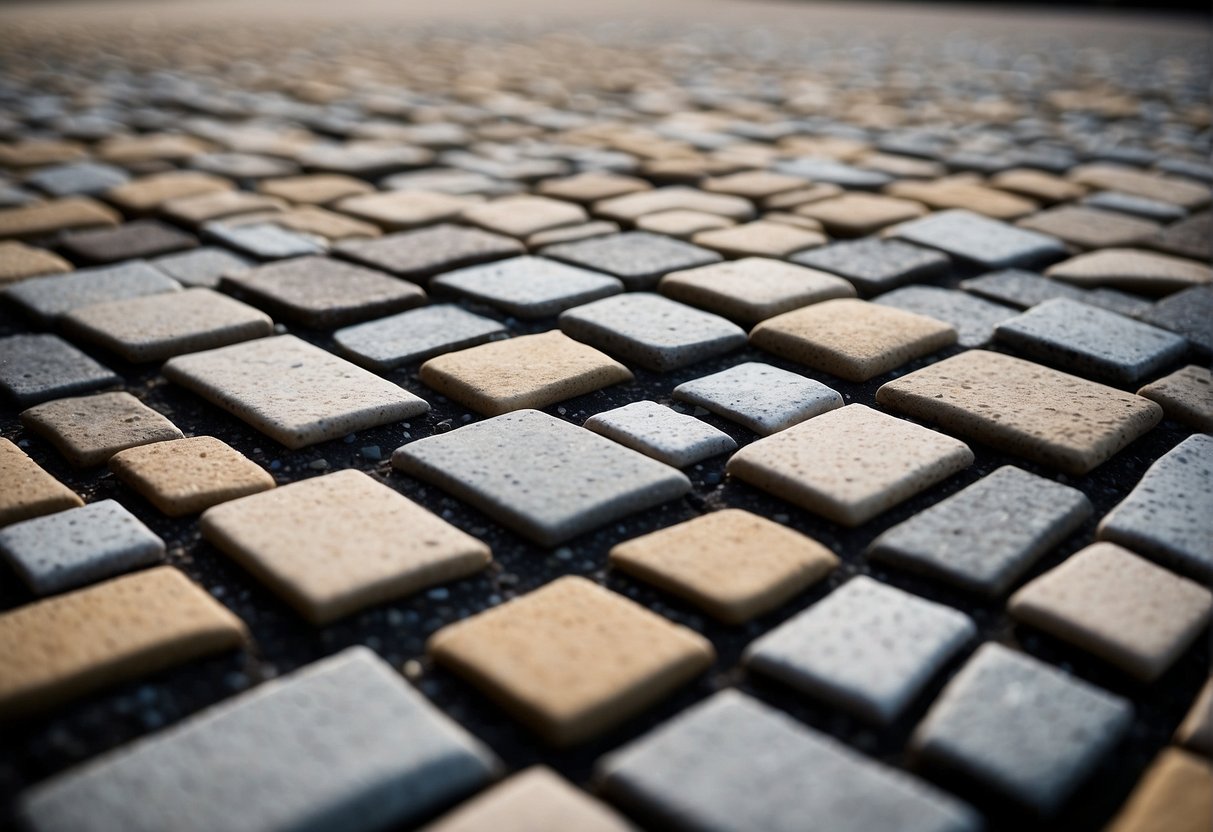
26	490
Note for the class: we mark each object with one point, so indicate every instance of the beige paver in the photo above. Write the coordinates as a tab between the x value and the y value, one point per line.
1172	189
857	214
570	233
530	371
572	659
852	339
310	219
400	210
957	192
33	153
592	186
88	430
753	289
336	544
57	215
734	564
850	464
801	196
1038	185
1132	269
186	476
314	189
631	207
1089	228
147	193
755	184
63	647
1172	796
1041	414
1196	731
151	147
19	261
202	208
1185	395
523	215
26	490
759	239
682	223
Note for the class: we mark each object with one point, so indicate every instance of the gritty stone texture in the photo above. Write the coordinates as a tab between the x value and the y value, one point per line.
417	255
291	391
985	536
1185	395
875	266
1090	227
201	266
850	464
1021	727
34	368
1136	271
723	764
251	763
867	648
414	336
46	298
1024	290
401	210
264	241
523	215
638	258
662	433
528	287
78	546
185	476
142	238
64	647
1190	313
760	397
759	239
1165	516
88	430
19	261
652	331
973	318
631	207
1022	408
532	472
1172	796
46	218
981	240
28	491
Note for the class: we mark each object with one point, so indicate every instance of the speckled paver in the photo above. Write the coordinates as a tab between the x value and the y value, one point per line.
1023	289
541	476
662	433
973	318
19	261
185	476
1021	727
760	397
850	464
401	210
416	255
856	214
414	335
631	207
291	391
34	368
1022	408
201	266
142	238
51	217
264	241
64	647
753	289
1137	271
723	765
1165	516
867	648
523	215
981	240
1196	731
653	331
88	430
79	546
1185	395
875	266
984	537
852	339
1089	228
46	298
1189	313
528	287
572	659
638	258
26	490
386	756
1172	796
761	238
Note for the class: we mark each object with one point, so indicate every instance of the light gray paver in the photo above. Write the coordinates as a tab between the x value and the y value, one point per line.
414	335
46	298
973	318
416	255
77	178
528	287
36	367
638	258
988	242
264	241
201	266
760	397
664	434
874	265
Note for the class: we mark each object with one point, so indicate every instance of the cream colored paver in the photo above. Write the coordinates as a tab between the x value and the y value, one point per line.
151	147
186	476
1089	228
19	261
850	464
57	215
1041	414
1172	796
1185	395
857	214
156	327
631	207
314	189
310	219
523	215
755	184
572	659
1134	270
529	371
1037	184
682	223
852	339
400	210
26	490
336	544
1172	189
1124	609
955	192
571	233
754	288
734	564
759	239
293	392
63	647
147	193
801	196
33	153
88	430
1196	731
592	186
201	208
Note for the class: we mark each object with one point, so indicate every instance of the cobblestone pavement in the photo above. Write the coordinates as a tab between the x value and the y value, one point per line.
743	416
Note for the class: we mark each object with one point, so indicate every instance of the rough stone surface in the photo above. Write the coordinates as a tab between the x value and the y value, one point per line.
264	240
753	289
46	298
34	368
973	318
978	239
417	255
185	476
528	287
88	430
1185	395
1024	290
760	397
875	266
662	433
638	258
523	215
1189	313
414	336
1131	269
856	214
26	490
759	239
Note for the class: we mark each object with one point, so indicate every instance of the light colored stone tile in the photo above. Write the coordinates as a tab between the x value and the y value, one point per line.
1038	185
662	433
631	207
638	258
856	214
47	298
1088	228
401	210
315	188
417	255
528	287
202	208
264	240
146	194
201	266
682	223
312	220
26	490
148	147
981	240
1172	796
19	261
1132	269
1185	395
592	186
760	397
973	318
753	289
88	430
185	476
37	367
1173	189
754	184
414	335
523	215
52	217
875	266
957	193
800	196
759	239
572	233
1196	731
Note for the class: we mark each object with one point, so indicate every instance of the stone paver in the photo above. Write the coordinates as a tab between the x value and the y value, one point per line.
26	490
1021	727
528	287
571	233
1196	731
146	194
760	238
251	763
1131	269
19	261
867	648
64	647
540	476
572	659
631	207
753	289
856	214
142	238
524	215
46	298
837	173
638	258
1189	313
1023	290
185	476
48	218
414	336
875	266
850	464
1185	395
264	240
1189	237
754	184
401	210
78	546
1172	796
201	266
77	178
1043	415
662	433
1089	228
314	188
682	223
981	240
417	255
34	368
194	211
1173	189
984	537
957	193
760	397
88	430
1037	184
592	186
1138	206
973	318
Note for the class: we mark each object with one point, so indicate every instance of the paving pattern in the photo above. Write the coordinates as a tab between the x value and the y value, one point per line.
585	424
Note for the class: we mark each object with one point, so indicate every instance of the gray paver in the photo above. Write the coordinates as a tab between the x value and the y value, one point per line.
973	318
46	298
264	241
416	255
1139	206
987	242
77	178
638	258
1190	313
837	173
37	367
528	287
875	266
1024	290
201	266
760	397
664	434
138	239
414	336
88	430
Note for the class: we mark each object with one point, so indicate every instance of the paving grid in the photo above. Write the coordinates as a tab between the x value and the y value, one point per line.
397	631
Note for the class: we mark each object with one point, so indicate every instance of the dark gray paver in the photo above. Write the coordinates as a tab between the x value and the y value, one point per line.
1024	289
201	266
138	239
1189	313
77	178
875	266
46	298
34	368
414	336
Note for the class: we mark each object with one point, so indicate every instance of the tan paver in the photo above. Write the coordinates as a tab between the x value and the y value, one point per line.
755	184
401	210
571	233
1196	731
850	464
572	659
682	223
734	564
1040	414
523	215
1134	270
57	215
1172	796
632	207
336	544
530	371
33	153
147	193
852	339
592	186
1087	227
957	192
310	219
1037	184
754	288
857	214
151	147
19	261
314	189
1185	395
801	196
759	239
63	647
186	476
88	430
1124	609
202	208
28	491
1172	189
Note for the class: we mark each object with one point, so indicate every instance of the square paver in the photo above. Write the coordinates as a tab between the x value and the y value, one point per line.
201	266
46	298
664	434
291	391
973	318
524	215
942	194
19	261
875	266
527	371
857	214
401	210
850	464
528	287
315	188
1189	313
572	659
1088	227
37	367
1173	794
417	255
336	544
631	207
867	648
1023	409
985	536
759	239
185	476
981	240
414	336
88	430
1024	289
760	397
682	223
146	194
734	564
1136	271
264	240
723	764
142	238
79	546
26	490
1021	727
653	331
852	339
1185	395
753	289
42	219
541	476
638	258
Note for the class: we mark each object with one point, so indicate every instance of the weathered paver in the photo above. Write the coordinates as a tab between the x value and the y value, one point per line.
1023	290
46	298
875	266
662	433
1185	395
401	210
753	289
856	214
1172	796
201	266
88	430
185	476
1189	313
524	215
142	238
1196	731
264	240
760	238
26	490
1137	271
414	336
631	207
42	219
981	240
638	258
19	261
417	255
973	318
34	368
760	397
1090	228
528	287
